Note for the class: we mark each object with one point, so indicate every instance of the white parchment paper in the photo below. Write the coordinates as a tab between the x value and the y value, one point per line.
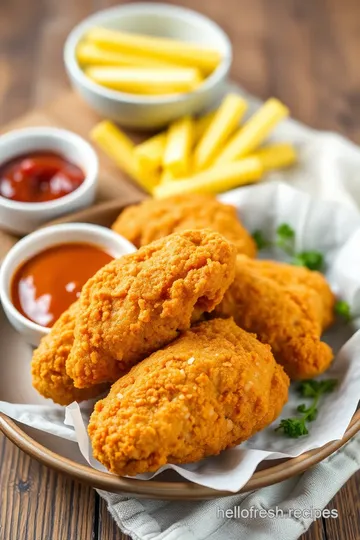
329	169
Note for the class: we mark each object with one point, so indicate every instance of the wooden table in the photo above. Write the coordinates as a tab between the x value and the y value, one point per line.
303	51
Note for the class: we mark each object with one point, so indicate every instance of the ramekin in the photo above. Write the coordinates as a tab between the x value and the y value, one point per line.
38	241
20	217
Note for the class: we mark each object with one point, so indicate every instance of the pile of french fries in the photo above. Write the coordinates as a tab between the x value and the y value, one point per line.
210	154
140	64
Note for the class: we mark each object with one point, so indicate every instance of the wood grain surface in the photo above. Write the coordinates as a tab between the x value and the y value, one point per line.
303	51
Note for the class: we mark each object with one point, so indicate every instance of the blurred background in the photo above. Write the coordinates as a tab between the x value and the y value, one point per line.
303	51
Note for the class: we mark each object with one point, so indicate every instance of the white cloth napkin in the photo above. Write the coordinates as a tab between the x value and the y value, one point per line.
308	493
330	169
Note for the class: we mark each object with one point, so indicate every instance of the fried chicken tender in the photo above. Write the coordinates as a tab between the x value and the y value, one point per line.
209	390
286	274
289	314
48	363
279	389
153	219
140	302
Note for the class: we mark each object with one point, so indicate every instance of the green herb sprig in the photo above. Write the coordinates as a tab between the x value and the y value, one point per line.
285	240
260	241
314	260
297	426
342	308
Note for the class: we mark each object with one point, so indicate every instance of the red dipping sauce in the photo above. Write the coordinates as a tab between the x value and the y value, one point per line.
39	177
45	285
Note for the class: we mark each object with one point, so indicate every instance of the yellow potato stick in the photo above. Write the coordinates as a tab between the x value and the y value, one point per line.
179	52
145	80
224	123
201	124
150	152
254	131
121	150
152	179
116	144
166	176
178	146
276	156
90	53
214	180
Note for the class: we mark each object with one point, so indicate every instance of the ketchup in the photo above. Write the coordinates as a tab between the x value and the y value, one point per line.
46	285
39	177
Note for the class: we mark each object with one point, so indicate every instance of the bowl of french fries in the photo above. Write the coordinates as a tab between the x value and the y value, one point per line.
145	65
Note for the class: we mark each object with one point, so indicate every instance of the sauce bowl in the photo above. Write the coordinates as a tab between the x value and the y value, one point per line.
38	241
24	217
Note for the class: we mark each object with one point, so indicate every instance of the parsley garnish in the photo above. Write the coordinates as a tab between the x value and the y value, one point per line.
285	240
314	260
260	241
296	427
342	308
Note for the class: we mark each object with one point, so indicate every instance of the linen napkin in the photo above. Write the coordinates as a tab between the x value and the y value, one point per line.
237	517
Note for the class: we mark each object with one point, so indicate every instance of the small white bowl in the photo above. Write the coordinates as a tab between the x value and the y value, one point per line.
160	20
20	217
34	243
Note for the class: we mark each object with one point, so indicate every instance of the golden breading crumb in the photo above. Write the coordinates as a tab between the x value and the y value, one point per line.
48	363
209	390
289	314
140	302
153	219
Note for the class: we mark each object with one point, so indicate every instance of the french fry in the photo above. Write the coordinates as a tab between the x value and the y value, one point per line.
224	123
166	177
121	150
214	180
145	80
179	52
150	152
201	124
255	130
276	156
90	53
178	146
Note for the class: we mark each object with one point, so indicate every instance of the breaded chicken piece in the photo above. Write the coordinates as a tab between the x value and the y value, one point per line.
287	316
209	390
279	389
286	274
153	219
140	302
48	363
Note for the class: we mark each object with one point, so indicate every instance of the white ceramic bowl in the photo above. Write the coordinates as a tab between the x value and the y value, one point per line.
34	243
159	20
22	218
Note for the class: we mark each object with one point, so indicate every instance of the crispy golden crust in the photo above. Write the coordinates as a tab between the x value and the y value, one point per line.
48	363
287	316
286	274
139	303
279	389
209	390
153	219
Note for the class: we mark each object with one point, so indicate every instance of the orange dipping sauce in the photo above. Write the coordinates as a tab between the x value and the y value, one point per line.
46	285
39	177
